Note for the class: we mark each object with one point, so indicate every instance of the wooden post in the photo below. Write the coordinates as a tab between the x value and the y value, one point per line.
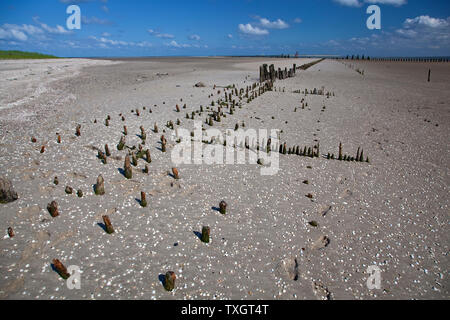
169	283
223	207
205	234
61	269
175	173
99	187
429	75
143	200
53	209
108	226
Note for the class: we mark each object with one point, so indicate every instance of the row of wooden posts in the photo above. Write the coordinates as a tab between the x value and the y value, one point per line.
272	74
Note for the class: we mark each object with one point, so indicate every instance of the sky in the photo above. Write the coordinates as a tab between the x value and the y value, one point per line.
117	28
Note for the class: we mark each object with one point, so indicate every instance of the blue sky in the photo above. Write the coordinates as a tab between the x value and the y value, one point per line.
231	27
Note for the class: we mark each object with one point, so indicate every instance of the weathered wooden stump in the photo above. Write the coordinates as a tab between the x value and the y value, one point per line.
143	200
78	130
175	173
205	234
223	207
127	168
169	281
53	209
107	152
121	144
108	226
99	187
60	269
69	190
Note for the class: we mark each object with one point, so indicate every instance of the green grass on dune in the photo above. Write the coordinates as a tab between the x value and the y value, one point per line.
6	55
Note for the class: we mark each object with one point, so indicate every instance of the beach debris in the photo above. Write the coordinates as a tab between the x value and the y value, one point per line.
58	139
324	210
99	187
33	139
200	85
69	190
80	193
309	195
169	280
125	130
175	173
205	234
42	149
313	223
143	200
223	207
128	171
60	269
56	181
320	243
108	226
78	130
288	269
7	192
53	209
320	291
121	144
10	232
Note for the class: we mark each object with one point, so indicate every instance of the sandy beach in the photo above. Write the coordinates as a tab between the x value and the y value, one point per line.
391	212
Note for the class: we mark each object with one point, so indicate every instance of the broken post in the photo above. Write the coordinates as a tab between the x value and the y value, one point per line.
169	283
53	209
205	234
175	173
127	168
99	188
223	207
61	269
108	226
143	200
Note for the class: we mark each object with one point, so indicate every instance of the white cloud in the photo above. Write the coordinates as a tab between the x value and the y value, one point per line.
426	21
297	20
277	24
104	42
17	32
230	36
358	3
56	30
160	35
249	29
350	3
194	37
391	2
174	44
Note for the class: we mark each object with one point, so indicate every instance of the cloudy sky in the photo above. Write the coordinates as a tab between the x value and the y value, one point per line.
231	27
